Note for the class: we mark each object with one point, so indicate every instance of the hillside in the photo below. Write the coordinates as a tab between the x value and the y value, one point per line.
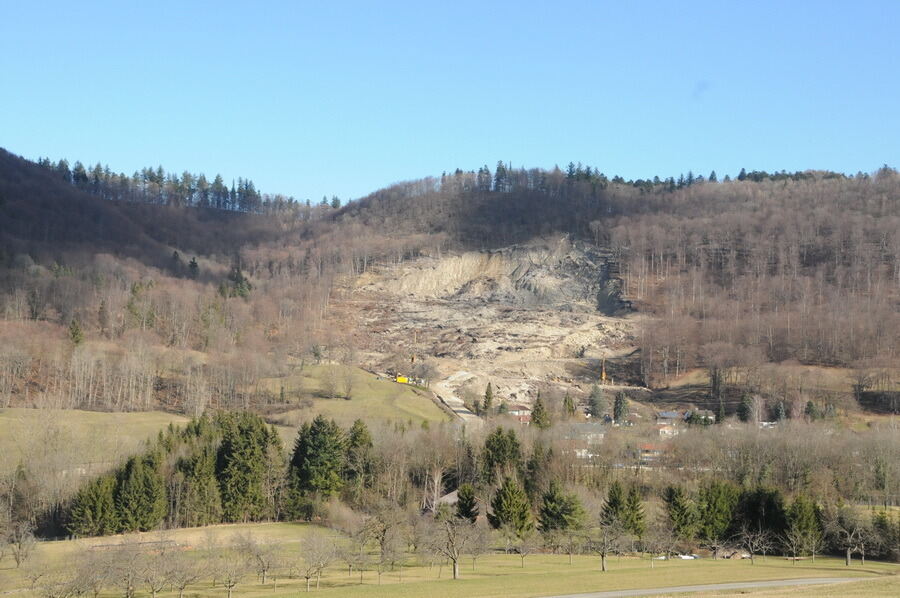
530	278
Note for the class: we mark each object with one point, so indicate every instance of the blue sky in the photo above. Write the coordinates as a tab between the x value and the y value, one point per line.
313	98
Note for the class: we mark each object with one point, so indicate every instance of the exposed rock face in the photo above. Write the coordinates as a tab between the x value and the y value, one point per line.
556	273
523	317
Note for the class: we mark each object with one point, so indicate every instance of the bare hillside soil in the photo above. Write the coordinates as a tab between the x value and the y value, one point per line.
541	316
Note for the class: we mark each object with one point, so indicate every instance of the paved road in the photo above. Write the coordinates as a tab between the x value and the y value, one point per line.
714	587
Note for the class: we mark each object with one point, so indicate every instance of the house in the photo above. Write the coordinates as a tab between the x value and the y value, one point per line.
669	417
666	430
521	413
583	438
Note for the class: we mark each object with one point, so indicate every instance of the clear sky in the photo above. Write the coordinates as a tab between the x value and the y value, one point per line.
313	98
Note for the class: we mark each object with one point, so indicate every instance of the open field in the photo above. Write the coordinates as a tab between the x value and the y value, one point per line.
322	388
99	439
495	574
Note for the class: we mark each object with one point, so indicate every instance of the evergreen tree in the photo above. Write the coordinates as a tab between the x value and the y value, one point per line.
466	503
193	268
140	496
540	417
510	508
202	502
503	409
537	471
682	513
635	521
318	458
761	509
745	409
93	511
488	404
811	411
717	503
560	510
358	462
712	177
742	174
804	515
75	332
597	402
614	509
568	406
501	454
241	465
780	413
620	408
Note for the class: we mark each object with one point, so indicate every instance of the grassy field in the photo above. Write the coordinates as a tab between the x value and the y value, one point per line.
321	388
96	437
495	575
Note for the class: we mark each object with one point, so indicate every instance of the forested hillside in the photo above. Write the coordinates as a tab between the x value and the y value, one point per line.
735	274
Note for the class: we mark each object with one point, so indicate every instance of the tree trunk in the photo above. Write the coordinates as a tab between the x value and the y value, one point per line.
847	559
752	559
229	592
455	569
603	562
307	584
264	577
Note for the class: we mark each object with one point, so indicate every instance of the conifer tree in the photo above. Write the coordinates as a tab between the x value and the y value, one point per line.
597	402
620	408
466	503
140	495
635	521
75	332
358	461
241	465
193	268
745	409
93	511
488	404
560	510
681	512
717	503
540	417
318	459
568	406
202	503
501	454
510	508
614	509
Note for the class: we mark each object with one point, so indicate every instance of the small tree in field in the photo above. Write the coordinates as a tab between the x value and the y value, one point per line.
755	542
527	544
605	539
451	537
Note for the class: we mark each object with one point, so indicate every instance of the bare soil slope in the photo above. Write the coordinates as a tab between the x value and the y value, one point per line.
524	317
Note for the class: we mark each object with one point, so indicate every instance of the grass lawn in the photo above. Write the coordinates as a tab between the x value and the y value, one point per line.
371	398
495	575
96	437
